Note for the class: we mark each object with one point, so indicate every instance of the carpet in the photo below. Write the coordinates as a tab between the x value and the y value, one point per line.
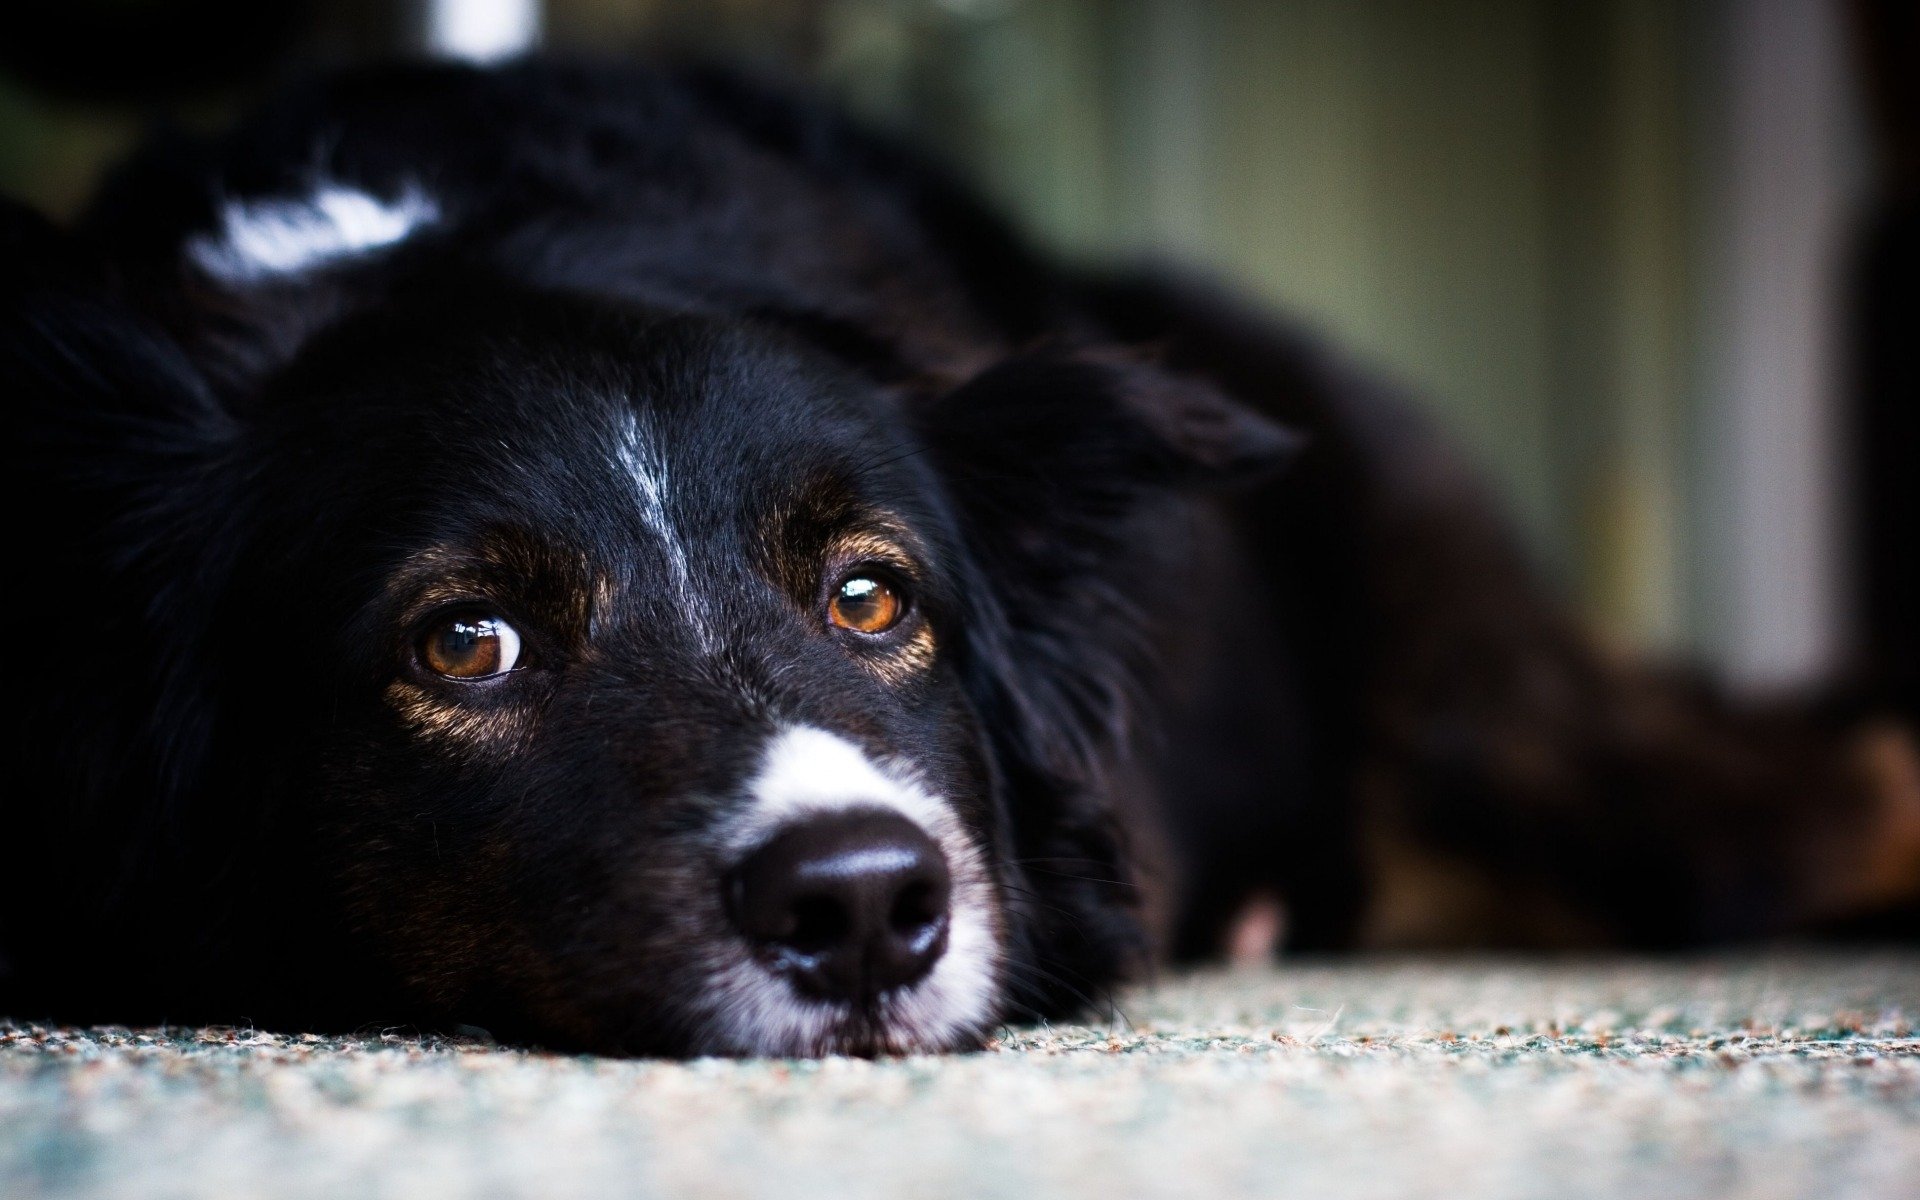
1784	1075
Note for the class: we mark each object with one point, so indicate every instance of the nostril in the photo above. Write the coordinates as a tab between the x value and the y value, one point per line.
819	922
916	907
847	905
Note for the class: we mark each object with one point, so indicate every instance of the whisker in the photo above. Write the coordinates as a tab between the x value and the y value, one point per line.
1034	898
1040	973
1124	883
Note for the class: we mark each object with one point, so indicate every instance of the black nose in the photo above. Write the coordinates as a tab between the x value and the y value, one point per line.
848	905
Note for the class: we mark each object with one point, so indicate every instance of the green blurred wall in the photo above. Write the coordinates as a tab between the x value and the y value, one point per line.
1493	200
1490	199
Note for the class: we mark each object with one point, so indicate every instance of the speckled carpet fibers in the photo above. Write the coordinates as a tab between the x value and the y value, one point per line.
1764	1076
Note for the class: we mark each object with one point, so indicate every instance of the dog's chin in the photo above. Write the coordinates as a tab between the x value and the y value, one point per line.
756	1013
856	1032
817	1029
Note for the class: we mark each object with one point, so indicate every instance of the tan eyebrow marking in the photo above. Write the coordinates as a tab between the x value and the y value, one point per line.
450	573
872	546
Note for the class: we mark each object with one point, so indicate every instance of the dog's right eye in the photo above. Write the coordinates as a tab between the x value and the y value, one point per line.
470	646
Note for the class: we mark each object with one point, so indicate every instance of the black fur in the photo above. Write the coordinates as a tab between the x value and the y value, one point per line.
1160	686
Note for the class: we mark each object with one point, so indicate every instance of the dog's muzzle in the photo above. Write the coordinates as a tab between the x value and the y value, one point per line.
862	917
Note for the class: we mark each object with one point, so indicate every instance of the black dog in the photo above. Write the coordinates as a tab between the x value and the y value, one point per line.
636	563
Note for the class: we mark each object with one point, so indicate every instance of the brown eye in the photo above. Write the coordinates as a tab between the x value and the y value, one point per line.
470	646
866	605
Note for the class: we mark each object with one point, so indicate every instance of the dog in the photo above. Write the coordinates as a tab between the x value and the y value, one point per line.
629	560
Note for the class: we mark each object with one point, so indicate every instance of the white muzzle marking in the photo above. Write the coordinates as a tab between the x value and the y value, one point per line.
809	772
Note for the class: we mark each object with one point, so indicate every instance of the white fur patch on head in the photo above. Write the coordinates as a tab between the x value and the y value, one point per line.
637	455
811	772
261	239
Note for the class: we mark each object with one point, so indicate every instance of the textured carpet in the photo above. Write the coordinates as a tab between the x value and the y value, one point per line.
1776	1076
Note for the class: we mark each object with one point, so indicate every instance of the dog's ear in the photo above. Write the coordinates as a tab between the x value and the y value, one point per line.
84	366
1061	463
113	423
116	441
1067	469
1099	425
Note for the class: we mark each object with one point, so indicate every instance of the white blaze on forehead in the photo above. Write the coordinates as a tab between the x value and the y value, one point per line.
259	239
640	459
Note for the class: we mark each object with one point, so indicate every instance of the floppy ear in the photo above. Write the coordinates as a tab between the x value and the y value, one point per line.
1067	469
115	438
1061	462
1100	422
83	367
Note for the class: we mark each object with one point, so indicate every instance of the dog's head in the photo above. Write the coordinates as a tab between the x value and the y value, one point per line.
606	673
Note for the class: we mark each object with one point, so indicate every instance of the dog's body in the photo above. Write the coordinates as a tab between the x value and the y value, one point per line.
499	539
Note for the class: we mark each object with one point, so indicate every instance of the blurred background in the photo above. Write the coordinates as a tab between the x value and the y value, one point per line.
1650	260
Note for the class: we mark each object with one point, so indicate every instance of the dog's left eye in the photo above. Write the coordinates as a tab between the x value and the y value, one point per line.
866	605
470	646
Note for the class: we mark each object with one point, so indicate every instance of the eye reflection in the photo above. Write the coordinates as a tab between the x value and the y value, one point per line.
470	646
